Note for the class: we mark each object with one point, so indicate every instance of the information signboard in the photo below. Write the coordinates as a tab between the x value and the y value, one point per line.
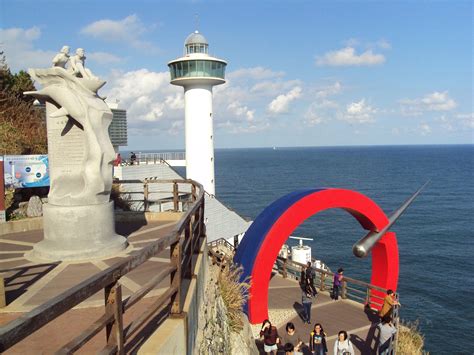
26	170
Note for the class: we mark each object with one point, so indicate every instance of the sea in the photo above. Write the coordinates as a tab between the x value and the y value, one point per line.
435	234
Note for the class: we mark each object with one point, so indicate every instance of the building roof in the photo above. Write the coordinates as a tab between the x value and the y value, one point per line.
195	37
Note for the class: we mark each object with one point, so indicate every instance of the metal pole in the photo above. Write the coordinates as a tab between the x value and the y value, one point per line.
2	192
363	247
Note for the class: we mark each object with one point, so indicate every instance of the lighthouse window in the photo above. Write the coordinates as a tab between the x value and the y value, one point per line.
200	68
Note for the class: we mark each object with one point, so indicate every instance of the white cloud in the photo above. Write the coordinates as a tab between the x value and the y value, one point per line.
461	121
281	103
240	104
466	119
436	101
152	104
255	73
242	111
313	115
424	129
348	57
384	44
18	45
103	58
359	113
128	30
329	90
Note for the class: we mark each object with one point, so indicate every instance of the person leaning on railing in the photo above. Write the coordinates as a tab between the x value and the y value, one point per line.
388	302
387	329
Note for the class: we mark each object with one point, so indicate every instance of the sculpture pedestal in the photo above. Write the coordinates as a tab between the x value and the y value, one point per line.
78	232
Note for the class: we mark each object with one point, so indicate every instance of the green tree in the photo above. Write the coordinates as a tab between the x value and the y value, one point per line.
22	125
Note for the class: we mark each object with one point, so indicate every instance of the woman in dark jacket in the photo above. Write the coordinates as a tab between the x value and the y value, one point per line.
317	340
270	337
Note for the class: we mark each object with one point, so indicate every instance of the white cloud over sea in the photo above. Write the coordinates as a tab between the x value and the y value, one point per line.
348	57
129	30
435	101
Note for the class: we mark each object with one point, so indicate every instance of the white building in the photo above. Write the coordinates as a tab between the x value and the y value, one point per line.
198	72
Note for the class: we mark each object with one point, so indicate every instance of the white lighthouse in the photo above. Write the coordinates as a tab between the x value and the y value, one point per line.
198	72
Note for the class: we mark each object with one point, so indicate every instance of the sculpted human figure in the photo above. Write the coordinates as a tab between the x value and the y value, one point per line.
78	65
61	58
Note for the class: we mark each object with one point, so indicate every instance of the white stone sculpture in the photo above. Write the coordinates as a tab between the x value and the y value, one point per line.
78	219
78	67
61	58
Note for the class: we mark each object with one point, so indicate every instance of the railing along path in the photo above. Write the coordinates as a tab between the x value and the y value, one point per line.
146	195
356	290
184	241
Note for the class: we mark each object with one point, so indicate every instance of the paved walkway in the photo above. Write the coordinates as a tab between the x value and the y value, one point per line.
285	306
30	282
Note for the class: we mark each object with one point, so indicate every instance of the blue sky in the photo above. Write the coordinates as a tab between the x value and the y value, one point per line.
300	73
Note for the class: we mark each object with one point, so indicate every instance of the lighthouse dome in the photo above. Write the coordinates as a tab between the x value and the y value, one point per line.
196	43
195	38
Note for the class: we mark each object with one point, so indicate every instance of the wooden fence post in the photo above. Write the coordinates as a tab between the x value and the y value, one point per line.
188	238
3	299
175	197
175	276
344	289
193	191
322	286
367	297
145	197
113	305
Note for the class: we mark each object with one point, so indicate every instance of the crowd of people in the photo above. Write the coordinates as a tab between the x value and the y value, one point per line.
293	342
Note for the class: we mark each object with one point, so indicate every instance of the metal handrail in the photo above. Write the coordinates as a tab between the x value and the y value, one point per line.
184	241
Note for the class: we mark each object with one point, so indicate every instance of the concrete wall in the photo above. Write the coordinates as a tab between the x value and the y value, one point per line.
178	335
22	225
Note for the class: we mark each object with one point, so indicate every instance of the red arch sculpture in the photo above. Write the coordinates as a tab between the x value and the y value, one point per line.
257	256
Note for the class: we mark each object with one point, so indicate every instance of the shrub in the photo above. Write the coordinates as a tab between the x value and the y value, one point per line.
410	340
234	293
120	202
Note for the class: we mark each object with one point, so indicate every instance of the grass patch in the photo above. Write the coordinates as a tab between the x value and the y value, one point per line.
410	339
234	293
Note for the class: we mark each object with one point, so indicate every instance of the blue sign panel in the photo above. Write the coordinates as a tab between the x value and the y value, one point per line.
26	170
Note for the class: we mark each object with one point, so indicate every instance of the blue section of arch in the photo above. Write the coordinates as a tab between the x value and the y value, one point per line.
255	236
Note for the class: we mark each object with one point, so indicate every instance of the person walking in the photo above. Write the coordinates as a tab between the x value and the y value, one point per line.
317	340
343	345
292	337
337	283
269	333
307	301
133	158
310	278
303	277
388	302
386	330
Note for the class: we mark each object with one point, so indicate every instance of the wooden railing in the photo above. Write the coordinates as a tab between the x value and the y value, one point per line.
353	289
184	242
144	194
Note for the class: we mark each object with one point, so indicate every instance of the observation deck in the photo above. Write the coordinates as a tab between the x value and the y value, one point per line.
197	66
